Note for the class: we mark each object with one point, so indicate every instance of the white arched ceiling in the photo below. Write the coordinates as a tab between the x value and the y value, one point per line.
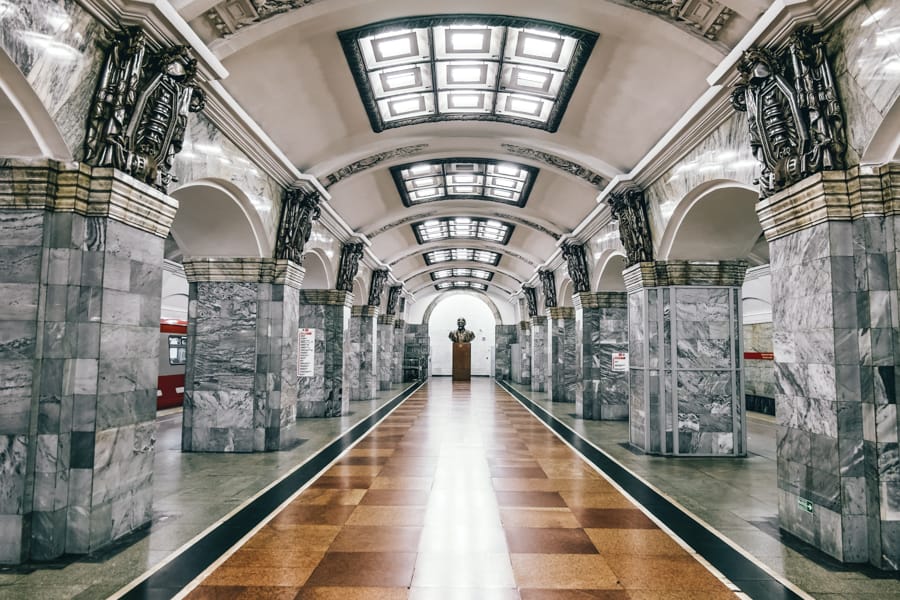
28	131
289	72
564	296
215	218
316	272
717	221
360	291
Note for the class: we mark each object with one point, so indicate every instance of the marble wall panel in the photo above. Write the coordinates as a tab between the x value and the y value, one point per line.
540	354
385	351
416	352
563	375
522	355
56	46
505	336
326	394
601	331
362	361
398	351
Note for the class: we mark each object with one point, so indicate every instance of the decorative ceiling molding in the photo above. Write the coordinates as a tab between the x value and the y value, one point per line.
489	214
702	18
229	16
563	164
373	160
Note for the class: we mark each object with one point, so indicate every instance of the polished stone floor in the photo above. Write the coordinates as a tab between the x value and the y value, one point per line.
195	492
461	493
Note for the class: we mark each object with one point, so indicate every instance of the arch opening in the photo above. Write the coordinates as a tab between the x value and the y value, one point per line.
611	279
480	319
316	272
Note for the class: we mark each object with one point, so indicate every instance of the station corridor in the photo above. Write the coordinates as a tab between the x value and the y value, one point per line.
461	493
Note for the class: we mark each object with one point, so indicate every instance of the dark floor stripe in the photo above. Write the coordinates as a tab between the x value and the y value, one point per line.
744	573
179	572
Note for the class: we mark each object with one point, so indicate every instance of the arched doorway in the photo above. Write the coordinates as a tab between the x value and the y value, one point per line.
480	320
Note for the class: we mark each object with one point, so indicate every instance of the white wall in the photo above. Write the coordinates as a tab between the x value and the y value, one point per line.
415	311
757	296
174	292
479	319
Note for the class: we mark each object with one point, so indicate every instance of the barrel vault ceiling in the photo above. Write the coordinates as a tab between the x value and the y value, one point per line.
646	62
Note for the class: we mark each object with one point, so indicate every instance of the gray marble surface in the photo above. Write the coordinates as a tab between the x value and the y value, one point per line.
540	354
563	375
326	394
505	336
362	361
417	347
385	352
602	393
398	351
55	45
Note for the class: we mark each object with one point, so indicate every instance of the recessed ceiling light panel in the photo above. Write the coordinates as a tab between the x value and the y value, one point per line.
464	178
462	228
462	255
481	67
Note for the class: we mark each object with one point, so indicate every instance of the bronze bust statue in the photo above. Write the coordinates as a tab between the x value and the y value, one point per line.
461	334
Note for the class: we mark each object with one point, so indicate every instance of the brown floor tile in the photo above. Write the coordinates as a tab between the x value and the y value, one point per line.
388	516
402	483
395	498
574	595
613	518
350	471
550	485
532	499
638	542
675	595
538	517
566	571
408	470
293	576
364	569
315	537
610	499
546	540
462	594
361	460
352	593
235	592
662	573
329	496
377	539
518	473
342	483
295	555
466	570
314	514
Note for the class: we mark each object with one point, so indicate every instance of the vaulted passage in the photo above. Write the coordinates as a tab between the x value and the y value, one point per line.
461	493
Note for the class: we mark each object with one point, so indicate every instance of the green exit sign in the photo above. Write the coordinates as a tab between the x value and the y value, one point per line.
805	504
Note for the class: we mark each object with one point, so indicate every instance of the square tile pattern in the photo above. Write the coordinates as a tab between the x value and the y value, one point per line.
461	493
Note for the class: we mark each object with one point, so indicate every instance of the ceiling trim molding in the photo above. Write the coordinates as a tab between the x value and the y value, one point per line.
453	208
558	162
371	161
531	261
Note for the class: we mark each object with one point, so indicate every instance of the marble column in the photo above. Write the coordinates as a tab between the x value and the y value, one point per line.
327	392
521	355
833	239
241	380
417	348
540	355
562	373
385	351
601	330
81	254
504	338
362	361
685	391
398	351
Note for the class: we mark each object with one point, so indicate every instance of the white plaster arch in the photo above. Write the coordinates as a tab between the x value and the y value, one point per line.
491	285
714	221
216	218
316	275
505	251
28	129
483	296
885	144
360	290
608	272
565	291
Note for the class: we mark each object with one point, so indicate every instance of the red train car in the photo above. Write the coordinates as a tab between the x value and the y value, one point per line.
172	350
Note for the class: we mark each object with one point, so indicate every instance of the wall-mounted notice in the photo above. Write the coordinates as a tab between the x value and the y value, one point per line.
620	361
306	352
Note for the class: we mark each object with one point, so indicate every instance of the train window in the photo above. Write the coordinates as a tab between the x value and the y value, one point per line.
177	349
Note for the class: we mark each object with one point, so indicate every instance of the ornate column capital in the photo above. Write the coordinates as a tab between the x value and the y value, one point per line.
363	310
393	297
531	299
350	255
793	113
299	208
576	263
376	289
630	210
562	312
326	297
548	286
600	300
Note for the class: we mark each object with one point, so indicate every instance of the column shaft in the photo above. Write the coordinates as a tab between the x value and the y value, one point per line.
540	356
521	355
505	337
327	392
563	368
601	330
398	351
361	360
385	351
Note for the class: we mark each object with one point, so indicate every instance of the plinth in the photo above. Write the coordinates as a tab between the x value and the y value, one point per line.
462	361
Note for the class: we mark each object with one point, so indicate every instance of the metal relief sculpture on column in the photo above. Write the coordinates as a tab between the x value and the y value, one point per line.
531	299
139	111
795	120
548	283
350	255
576	262
298	211
393	297
629	209
377	287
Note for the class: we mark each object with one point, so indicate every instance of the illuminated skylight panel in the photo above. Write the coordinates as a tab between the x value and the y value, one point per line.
464	178
462	272
444	285
462	255
478	67
462	228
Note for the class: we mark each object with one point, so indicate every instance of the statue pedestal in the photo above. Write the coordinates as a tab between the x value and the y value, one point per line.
462	361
